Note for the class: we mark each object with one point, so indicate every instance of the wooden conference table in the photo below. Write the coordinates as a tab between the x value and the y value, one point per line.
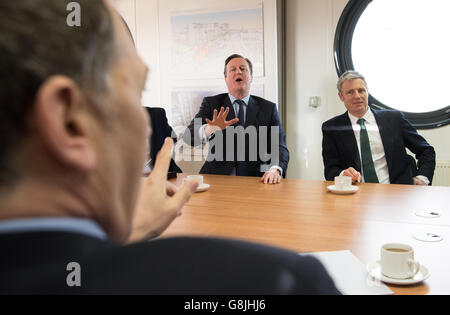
303	217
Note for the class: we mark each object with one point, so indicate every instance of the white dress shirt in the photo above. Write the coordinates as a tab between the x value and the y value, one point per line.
376	147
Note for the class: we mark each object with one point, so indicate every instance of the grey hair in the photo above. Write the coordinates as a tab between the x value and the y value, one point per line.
350	76
35	43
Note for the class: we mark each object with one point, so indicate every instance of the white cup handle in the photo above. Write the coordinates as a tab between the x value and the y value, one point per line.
414	266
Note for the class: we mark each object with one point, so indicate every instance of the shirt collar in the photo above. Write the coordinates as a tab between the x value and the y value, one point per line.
71	225
234	99
368	117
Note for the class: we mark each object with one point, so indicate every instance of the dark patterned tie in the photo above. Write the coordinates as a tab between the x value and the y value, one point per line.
241	114
370	176
241	166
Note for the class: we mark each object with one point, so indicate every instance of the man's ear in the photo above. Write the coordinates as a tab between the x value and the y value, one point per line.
341	96
62	121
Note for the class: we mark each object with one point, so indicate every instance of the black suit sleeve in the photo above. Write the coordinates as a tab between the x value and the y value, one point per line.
425	154
330	153
160	131
283	150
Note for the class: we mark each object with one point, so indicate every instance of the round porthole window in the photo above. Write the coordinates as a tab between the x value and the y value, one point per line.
402	48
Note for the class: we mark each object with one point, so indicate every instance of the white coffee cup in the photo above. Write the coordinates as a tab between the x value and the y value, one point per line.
197	178
397	261
342	182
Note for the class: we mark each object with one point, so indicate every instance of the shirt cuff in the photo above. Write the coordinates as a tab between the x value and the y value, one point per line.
423	179
277	168
202	134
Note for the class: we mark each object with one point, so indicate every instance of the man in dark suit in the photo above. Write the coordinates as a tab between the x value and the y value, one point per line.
370	145
226	119
160	131
66	217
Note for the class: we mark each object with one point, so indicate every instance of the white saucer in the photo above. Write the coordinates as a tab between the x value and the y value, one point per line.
348	191
428	237
374	269
428	214
203	188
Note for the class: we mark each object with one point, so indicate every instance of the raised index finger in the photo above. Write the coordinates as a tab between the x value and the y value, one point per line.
162	163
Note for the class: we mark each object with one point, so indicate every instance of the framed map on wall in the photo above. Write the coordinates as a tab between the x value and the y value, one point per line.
202	41
196	36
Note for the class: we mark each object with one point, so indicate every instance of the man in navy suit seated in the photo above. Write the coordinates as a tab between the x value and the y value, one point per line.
370	145
71	192
260	153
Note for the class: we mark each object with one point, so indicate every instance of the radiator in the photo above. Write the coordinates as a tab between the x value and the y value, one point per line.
442	174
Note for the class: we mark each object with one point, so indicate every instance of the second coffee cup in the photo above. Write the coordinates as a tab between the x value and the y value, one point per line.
197	178
397	261
342	182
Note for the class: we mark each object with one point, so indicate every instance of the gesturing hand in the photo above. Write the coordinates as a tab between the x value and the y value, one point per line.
159	201
219	121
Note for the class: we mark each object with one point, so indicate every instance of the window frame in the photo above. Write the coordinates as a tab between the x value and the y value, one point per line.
344	62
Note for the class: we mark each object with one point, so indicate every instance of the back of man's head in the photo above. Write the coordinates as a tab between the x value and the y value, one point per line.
36	42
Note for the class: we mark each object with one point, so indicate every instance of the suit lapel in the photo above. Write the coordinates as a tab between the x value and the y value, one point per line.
252	110
227	103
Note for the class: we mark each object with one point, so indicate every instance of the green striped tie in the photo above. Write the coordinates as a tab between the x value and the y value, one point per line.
370	176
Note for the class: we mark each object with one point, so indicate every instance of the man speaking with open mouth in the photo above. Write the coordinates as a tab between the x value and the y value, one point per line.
244	131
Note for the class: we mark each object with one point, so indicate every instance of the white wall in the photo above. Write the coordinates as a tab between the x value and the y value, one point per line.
310	72
310	28
142	19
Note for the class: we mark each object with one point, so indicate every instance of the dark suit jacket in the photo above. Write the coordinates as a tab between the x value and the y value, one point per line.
36	263
260	113
340	149
160	131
